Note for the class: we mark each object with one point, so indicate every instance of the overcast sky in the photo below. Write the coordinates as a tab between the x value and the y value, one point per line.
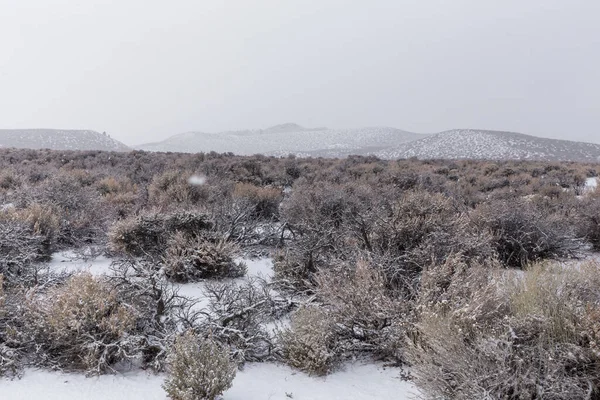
143	70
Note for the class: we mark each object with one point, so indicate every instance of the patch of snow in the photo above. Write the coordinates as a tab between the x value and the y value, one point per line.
50	385
194	291
7	206
257	381
197	180
491	145
591	183
261	267
285	139
69	261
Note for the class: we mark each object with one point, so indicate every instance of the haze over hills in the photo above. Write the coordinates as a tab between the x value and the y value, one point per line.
384	142
57	139
493	145
284	139
288	138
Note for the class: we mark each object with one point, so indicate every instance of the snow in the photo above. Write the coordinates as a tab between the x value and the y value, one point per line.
7	206
49	385
261	267
355	381
287	139
384	142
591	183
492	145
59	139
197	180
257	381
68	261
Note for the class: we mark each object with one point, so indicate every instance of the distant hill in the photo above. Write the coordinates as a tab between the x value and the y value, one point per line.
56	139
287	139
493	145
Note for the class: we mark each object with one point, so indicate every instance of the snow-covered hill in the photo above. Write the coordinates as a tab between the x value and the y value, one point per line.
384	142
288	138
493	145
59	140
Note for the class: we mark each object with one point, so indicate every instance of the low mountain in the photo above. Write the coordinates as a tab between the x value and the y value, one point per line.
492	145
56	139
288	139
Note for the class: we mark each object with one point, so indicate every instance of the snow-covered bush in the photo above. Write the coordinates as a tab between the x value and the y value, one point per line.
512	336
525	232
195	258
172	187
10	346
9	180
82	325
294	271
588	221
77	205
20	248
264	201
310	343
369	317
199	369
2	296
237	316
160	309
149	233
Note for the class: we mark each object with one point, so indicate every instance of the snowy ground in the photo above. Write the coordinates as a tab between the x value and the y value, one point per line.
591	183
258	381
264	381
68	261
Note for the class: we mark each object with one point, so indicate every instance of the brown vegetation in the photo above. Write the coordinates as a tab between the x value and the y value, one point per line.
426	262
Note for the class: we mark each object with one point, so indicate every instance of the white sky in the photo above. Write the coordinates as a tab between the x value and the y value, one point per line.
143	70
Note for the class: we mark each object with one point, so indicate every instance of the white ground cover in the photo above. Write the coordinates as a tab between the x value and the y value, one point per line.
591	183
257	381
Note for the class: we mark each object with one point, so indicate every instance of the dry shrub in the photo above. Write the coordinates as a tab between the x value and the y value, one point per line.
77	204
149	233
9	181
527	336
264	200
44	222
588	221
451	284
20	248
82	324
524	231
10	355
237	315
423	229
368	316
310	343
2	296
112	186
199	369
173	187
293	271
195	258
120	194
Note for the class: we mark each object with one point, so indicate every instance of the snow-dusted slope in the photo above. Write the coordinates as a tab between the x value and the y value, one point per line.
494	145
288	138
59	140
